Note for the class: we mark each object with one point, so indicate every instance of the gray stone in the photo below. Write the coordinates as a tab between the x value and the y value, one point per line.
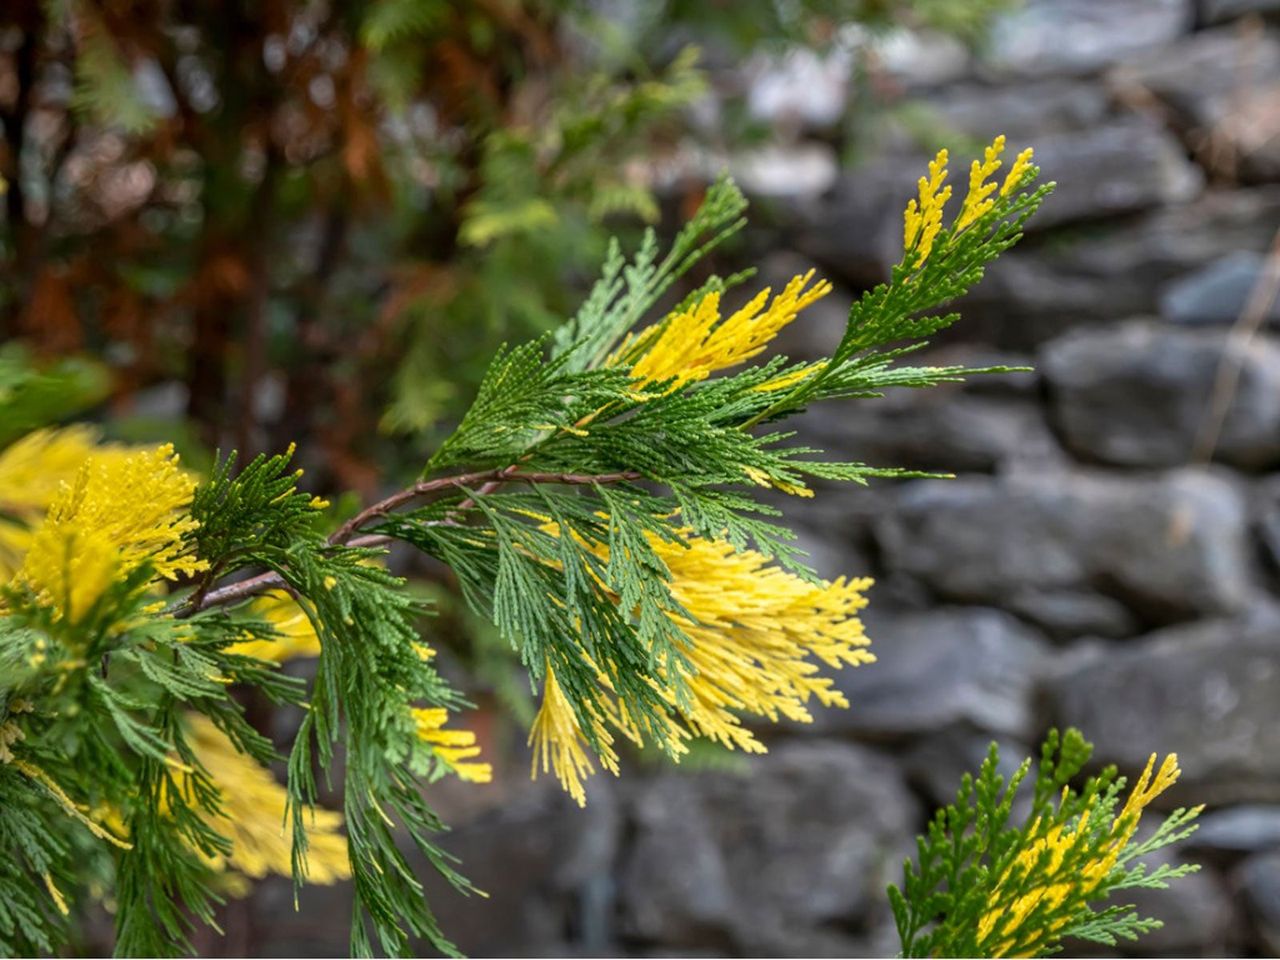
920	58
1079	36
969	112
1023	112
1199	76
547	866
1253	134
1221	87
939	668
166	401
787	857
1138	395
318	926
942	429
676	886
783	171
1067	613
1023	382
1116	168
1218	293
1249	828
829	557
1259	882
799	88
1207	691
842	519
1169	548
1089	276
1266	505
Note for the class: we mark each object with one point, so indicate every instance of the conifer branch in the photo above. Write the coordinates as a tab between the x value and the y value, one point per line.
661	613
346	535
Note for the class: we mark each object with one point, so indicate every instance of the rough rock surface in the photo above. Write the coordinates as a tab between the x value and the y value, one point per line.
1249	828
1220	10
1217	294
788	857
936	762
1168	550
1023	112
939	668
1210	689
1221	87
942	430
787	173
1259	880
1078	36
1139	395
1216	11
546	867
1122	167
1266	510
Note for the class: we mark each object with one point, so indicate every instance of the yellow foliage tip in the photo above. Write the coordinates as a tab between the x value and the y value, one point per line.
758	639
762	479
559	745
252	811
34	469
690	346
10	733
1144	791
787	380
1018	172
116	514
33	772
295	636
977	201
923	217
55	894
454	748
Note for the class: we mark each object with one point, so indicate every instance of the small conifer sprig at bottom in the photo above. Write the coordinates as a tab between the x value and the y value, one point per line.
983	886
598	503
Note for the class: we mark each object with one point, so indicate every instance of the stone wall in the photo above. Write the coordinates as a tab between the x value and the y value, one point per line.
1085	567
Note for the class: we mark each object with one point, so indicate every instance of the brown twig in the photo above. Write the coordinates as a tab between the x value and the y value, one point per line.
409	494
346	535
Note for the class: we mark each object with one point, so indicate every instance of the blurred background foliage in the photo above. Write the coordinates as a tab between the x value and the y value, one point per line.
297	220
